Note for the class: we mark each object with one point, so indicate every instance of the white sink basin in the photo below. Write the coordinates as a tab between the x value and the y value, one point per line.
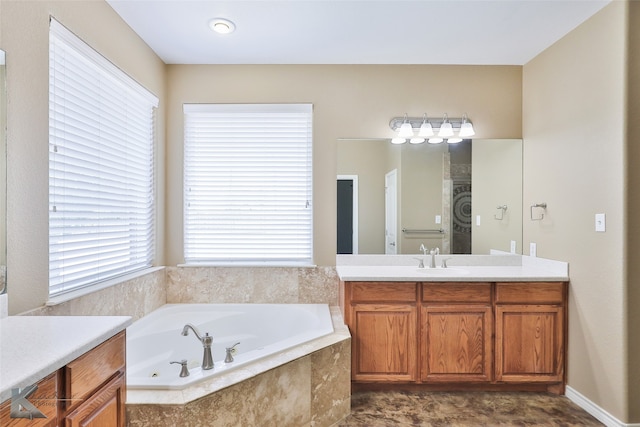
439	271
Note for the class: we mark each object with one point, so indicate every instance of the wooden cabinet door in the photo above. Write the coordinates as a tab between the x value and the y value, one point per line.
45	399
456	343
529	343
384	342
105	408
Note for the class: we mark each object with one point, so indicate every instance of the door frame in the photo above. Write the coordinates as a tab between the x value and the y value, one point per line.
354	237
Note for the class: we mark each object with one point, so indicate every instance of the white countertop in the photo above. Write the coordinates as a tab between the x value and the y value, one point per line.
465	268
32	347
455	274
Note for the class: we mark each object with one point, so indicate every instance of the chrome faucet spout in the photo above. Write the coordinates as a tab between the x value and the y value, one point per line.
206	340
433	254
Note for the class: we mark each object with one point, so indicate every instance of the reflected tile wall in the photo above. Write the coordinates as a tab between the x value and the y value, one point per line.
285	285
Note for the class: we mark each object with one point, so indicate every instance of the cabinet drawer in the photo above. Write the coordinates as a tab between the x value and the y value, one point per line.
44	399
530	293
456	292
383	291
92	369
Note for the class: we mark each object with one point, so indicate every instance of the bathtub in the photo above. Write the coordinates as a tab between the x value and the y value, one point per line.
260	329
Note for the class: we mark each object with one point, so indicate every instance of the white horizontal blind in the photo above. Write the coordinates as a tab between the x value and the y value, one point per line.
101	193
248	183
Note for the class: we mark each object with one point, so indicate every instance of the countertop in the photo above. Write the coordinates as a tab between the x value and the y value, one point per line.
32	347
469	268
453	274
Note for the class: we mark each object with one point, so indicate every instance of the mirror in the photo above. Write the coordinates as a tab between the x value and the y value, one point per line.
462	198
3	174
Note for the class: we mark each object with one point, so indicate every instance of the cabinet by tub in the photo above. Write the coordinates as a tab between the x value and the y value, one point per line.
476	335
385	316
88	392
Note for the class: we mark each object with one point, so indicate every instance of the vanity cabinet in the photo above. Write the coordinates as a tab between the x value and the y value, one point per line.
95	383
44	399
456	332
530	332
385	316
90	391
457	335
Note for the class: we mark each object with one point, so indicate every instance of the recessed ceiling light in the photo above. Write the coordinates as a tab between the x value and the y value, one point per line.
222	26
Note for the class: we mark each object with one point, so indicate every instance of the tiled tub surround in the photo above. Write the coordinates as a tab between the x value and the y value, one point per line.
134	297
305	385
265	285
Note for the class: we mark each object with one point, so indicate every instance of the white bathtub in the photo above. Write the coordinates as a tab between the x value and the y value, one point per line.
261	329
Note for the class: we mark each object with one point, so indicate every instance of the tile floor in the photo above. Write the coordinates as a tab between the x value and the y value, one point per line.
464	409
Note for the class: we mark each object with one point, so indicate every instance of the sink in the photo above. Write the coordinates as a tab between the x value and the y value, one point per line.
439	271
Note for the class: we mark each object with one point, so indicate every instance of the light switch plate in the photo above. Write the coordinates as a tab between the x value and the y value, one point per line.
513	246
477	219
438	219
533	249
601	225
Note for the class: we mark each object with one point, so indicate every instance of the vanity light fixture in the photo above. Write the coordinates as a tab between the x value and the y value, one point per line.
406	130
426	129
466	128
446	129
222	26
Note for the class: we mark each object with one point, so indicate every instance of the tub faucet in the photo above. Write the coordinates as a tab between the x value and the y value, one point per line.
206	340
433	254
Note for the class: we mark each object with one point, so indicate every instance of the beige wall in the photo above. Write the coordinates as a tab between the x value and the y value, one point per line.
497	181
574	144
349	102
24	29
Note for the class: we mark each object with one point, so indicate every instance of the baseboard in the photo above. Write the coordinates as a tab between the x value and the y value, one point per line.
600	414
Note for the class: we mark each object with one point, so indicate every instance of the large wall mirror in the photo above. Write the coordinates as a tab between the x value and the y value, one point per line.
462	198
3	174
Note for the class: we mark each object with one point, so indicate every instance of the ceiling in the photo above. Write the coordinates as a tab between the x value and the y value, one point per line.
482	32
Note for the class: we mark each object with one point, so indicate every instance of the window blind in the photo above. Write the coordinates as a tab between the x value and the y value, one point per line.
248	183
101	192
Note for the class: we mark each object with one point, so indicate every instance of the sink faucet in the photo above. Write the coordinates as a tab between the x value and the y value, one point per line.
433	254
206	340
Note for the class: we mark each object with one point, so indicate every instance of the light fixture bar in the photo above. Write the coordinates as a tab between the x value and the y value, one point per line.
436	123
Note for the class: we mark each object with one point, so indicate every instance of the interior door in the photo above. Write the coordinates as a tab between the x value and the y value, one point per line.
391	212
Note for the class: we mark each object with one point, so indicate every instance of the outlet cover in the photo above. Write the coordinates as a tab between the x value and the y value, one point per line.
533	249
438	219
478	220
601	225
513	246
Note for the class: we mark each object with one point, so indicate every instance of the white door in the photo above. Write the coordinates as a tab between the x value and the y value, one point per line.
391	212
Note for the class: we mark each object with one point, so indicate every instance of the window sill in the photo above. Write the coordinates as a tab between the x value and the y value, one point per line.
246	264
77	293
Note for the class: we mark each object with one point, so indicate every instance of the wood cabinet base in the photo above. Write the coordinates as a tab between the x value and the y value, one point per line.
450	336
453	387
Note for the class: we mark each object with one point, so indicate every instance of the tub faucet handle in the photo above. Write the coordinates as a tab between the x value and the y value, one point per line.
230	351
184	371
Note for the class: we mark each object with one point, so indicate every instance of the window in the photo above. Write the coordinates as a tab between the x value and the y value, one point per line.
247	177
101	192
